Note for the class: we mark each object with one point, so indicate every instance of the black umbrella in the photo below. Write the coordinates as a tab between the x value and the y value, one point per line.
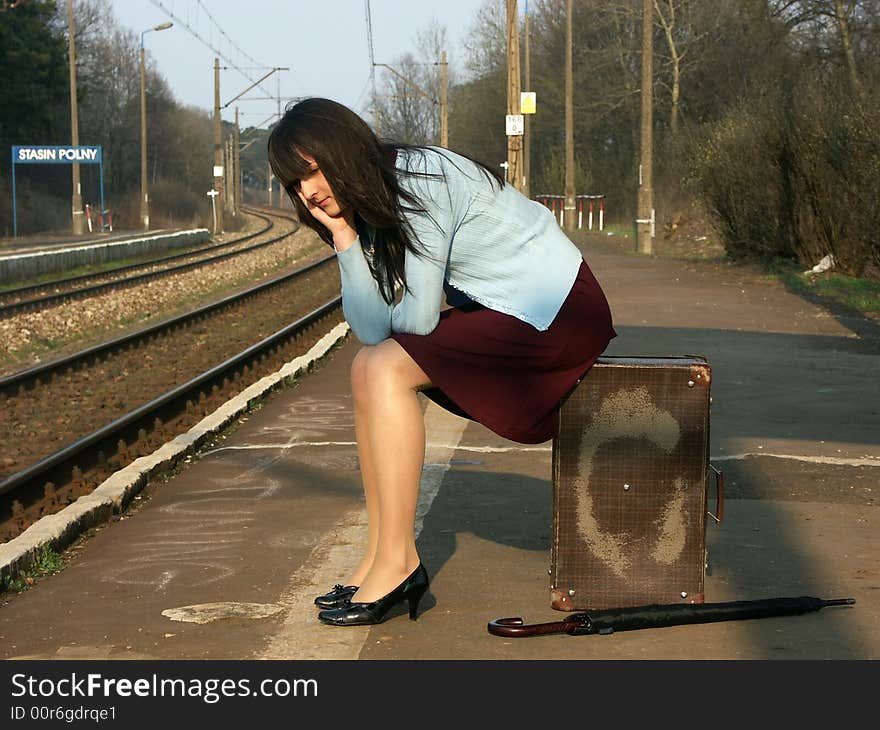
657	615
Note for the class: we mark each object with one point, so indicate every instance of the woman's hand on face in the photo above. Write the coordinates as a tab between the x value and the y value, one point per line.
341	226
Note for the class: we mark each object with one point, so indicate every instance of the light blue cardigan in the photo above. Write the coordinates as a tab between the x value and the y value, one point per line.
494	246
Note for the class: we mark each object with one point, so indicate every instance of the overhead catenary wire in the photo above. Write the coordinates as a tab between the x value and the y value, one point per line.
226	36
363	91
192	31
372	79
369	32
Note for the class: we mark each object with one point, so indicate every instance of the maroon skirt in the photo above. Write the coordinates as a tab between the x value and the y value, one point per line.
497	370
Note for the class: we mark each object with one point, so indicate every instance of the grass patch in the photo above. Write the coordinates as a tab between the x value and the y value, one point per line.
624	230
46	562
860	294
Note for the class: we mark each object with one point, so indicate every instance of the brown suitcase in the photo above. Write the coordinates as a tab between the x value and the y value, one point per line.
630	482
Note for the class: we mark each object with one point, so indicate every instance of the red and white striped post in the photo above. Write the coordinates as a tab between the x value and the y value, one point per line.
556	205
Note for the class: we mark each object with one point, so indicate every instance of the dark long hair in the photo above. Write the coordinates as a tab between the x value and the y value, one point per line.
361	172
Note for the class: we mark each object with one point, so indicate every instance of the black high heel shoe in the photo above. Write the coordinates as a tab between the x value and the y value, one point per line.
338	596
375	612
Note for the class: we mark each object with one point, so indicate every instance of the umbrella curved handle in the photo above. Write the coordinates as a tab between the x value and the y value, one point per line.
514	627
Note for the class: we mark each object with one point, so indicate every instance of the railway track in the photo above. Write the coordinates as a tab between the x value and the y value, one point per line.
72	422
48	294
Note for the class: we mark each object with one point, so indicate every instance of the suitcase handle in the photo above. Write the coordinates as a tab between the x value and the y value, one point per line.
719	495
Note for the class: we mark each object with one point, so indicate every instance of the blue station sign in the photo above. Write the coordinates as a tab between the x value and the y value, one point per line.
47	155
53	155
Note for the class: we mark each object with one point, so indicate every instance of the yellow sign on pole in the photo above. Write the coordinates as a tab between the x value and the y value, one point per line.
527	102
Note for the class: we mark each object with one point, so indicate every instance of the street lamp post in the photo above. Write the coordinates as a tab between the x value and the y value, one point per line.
145	200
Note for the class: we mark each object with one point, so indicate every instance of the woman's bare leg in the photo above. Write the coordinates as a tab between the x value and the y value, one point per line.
394	432
365	458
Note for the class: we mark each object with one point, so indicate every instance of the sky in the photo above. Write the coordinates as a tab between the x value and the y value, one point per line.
324	43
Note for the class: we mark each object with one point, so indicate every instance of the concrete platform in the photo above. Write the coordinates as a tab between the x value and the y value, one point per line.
223	560
24	264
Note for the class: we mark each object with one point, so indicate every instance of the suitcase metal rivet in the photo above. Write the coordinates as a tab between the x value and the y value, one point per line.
684	594
570	592
690	383
626	487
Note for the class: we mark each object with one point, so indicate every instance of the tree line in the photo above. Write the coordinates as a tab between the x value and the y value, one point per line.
766	115
35	110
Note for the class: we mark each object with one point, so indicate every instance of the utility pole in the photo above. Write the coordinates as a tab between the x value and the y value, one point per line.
514	141
145	197
527	118
568	215
645	221
236	153
444	108
76	201
229	175
218	149
269	185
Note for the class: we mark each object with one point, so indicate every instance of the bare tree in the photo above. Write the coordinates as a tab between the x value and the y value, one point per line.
487	40
843	13
408	102
674	17
827	27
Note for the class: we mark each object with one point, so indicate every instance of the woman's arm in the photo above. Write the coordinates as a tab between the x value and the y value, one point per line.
368	314
362	304
418	310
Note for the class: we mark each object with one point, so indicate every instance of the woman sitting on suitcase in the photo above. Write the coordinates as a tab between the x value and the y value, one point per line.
525	318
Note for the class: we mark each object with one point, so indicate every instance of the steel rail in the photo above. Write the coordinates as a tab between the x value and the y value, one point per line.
71	456
25	378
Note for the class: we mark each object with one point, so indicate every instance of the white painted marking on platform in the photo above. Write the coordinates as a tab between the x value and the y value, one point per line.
832	460
440	446
286	445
